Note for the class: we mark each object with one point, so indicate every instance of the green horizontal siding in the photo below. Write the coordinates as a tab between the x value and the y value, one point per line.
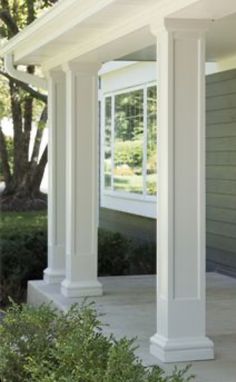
217	186
220	214
221	158
222	102
221	144
221	130
221	242
220	88
214	199
221	170
219	77
221	116
221	228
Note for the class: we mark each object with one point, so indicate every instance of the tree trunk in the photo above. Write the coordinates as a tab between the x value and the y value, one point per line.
22	183
4	157
22	187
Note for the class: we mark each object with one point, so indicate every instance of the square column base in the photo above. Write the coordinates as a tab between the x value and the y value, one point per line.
51	276
81	289
181	349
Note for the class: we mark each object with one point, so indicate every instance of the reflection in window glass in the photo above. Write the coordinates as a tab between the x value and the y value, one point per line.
108	138
128	142
128	118
151	178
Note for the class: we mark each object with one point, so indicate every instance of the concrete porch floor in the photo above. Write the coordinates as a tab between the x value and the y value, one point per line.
129	307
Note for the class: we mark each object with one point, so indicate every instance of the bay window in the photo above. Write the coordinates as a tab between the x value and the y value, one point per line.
129	149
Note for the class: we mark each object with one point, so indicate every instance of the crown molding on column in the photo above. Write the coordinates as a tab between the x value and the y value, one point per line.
180	26
82	67
56	74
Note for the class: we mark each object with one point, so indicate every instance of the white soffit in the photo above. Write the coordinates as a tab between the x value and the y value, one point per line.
104	30
76	27
220	42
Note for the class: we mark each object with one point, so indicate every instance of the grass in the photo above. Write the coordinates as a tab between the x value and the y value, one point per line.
12	222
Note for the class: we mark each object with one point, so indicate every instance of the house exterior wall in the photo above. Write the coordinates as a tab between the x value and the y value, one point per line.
137	228
221	171
220	178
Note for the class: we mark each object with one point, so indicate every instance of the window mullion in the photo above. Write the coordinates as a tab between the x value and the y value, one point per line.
145	142
112	140
102	148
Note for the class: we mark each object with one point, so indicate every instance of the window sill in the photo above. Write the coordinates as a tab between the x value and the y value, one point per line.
130	203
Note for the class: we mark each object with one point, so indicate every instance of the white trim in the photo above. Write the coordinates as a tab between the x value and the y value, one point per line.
51	27
130	88
135	206
113	66
145	133
112	139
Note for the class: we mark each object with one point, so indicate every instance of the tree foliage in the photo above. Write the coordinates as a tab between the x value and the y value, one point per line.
26	106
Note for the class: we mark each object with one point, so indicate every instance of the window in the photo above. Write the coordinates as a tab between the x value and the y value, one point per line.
129	144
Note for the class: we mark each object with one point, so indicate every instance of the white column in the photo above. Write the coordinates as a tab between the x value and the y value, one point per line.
181	333
55	272
81	181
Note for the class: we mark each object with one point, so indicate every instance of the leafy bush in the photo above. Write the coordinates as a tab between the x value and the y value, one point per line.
44	345
142	259
113	254
23	253
118	255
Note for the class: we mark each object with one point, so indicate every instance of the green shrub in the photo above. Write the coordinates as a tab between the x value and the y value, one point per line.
118	255
113	253
23	252
43	345
142	259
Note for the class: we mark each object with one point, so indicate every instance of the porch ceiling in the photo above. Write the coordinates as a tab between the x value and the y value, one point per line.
104	30
75	27
220	42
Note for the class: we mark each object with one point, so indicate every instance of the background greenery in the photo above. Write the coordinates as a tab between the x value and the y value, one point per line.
23	247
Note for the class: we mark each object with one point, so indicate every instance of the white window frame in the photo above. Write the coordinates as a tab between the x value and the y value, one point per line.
138	204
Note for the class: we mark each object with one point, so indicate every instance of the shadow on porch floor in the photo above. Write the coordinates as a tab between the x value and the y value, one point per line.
129	307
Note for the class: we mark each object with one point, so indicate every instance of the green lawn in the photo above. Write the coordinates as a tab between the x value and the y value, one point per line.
11	222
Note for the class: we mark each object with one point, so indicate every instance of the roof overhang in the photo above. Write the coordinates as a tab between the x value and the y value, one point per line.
102	30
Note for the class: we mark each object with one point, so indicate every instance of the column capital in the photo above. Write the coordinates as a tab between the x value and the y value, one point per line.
82	67
56	74
182	27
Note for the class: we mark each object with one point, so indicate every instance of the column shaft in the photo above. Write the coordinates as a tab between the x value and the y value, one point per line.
81	181
56	182
181	194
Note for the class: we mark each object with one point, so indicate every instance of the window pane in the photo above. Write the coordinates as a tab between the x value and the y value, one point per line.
128	145
151	140
107	143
